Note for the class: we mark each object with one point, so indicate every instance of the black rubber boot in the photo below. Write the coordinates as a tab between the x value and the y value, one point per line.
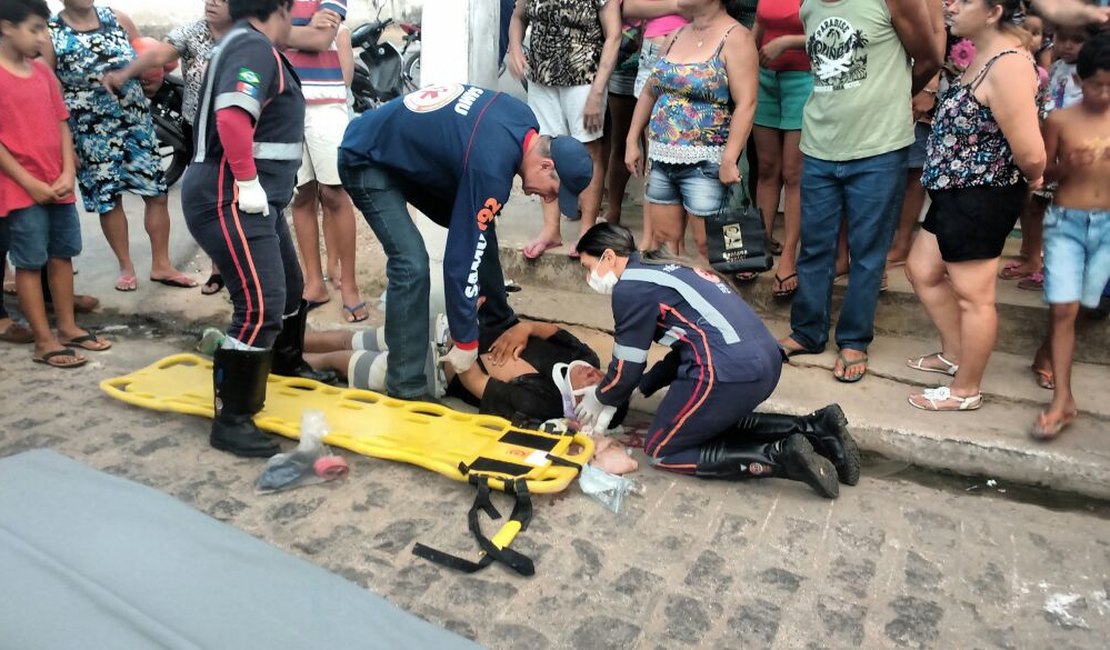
792	458
239	381
826	429
289	351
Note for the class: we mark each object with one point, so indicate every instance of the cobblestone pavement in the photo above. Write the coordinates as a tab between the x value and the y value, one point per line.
692	563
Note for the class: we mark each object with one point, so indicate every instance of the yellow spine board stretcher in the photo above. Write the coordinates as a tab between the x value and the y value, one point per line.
484	450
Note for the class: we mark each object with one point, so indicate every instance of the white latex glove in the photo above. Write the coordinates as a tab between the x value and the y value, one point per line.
461	360
592	413
252	198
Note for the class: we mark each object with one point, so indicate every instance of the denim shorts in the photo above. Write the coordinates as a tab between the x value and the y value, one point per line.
697	187
1076	255
41	232
921	133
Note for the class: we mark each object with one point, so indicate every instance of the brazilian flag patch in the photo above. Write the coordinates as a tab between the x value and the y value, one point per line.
249	76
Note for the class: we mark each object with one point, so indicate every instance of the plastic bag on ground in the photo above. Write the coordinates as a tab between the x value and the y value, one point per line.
608	489
310	463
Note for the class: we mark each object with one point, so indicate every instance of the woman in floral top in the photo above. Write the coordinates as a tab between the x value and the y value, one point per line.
192	43
571	55
983	155
698	106
113	135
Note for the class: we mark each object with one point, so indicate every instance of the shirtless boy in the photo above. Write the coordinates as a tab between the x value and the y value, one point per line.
1077	224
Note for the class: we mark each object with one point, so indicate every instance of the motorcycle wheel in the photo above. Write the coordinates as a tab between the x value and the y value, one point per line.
174	159
412	71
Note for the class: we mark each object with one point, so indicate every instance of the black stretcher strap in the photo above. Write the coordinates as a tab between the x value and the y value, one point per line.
522	514
530	440
494	466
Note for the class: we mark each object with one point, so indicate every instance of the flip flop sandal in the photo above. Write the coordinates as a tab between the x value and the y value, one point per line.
180	281
50	359
1046	379
1012	273
213	284
1043	430
17	333
90	342
309	305
919	364
796	351
352	317
778	291
127	283
1032	282
746	276
847	364
942	399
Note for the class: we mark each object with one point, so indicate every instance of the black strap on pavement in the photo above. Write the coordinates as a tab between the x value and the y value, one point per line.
496	549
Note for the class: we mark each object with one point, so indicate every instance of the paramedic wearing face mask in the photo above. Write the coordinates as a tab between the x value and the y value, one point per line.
723	363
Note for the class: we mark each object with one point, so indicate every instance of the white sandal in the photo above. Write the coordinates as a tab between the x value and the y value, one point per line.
936	397
948	369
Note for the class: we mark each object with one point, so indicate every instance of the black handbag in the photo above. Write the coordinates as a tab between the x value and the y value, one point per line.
735	236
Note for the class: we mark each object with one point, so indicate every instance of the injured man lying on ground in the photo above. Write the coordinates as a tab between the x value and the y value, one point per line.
527	388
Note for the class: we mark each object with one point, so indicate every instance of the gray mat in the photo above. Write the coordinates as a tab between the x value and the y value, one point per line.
88	560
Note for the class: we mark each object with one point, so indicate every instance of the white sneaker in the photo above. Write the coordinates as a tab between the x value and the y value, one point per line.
437	349
440	333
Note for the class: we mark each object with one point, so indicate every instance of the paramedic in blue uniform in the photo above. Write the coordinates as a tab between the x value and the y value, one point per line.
247	143
722	364
452	152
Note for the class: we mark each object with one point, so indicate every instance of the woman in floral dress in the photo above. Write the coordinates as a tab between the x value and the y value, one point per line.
114	136
984	153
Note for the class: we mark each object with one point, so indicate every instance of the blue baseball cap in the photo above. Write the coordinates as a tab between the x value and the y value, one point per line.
575	170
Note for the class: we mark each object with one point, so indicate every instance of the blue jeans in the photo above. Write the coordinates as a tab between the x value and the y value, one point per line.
868	193
697	187
407	271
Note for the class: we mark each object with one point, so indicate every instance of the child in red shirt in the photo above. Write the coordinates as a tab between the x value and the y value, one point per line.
37	213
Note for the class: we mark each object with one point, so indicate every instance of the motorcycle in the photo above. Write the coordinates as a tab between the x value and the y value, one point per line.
383	72
175	143
412	59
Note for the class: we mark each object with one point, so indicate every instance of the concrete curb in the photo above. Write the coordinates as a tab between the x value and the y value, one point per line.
1020	465
1022	317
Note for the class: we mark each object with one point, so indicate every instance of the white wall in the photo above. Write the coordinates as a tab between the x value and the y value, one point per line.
160	14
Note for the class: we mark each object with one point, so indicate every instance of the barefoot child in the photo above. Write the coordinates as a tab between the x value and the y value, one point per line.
36	184
1077	224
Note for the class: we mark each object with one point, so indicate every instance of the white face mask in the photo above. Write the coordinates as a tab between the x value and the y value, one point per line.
602	284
